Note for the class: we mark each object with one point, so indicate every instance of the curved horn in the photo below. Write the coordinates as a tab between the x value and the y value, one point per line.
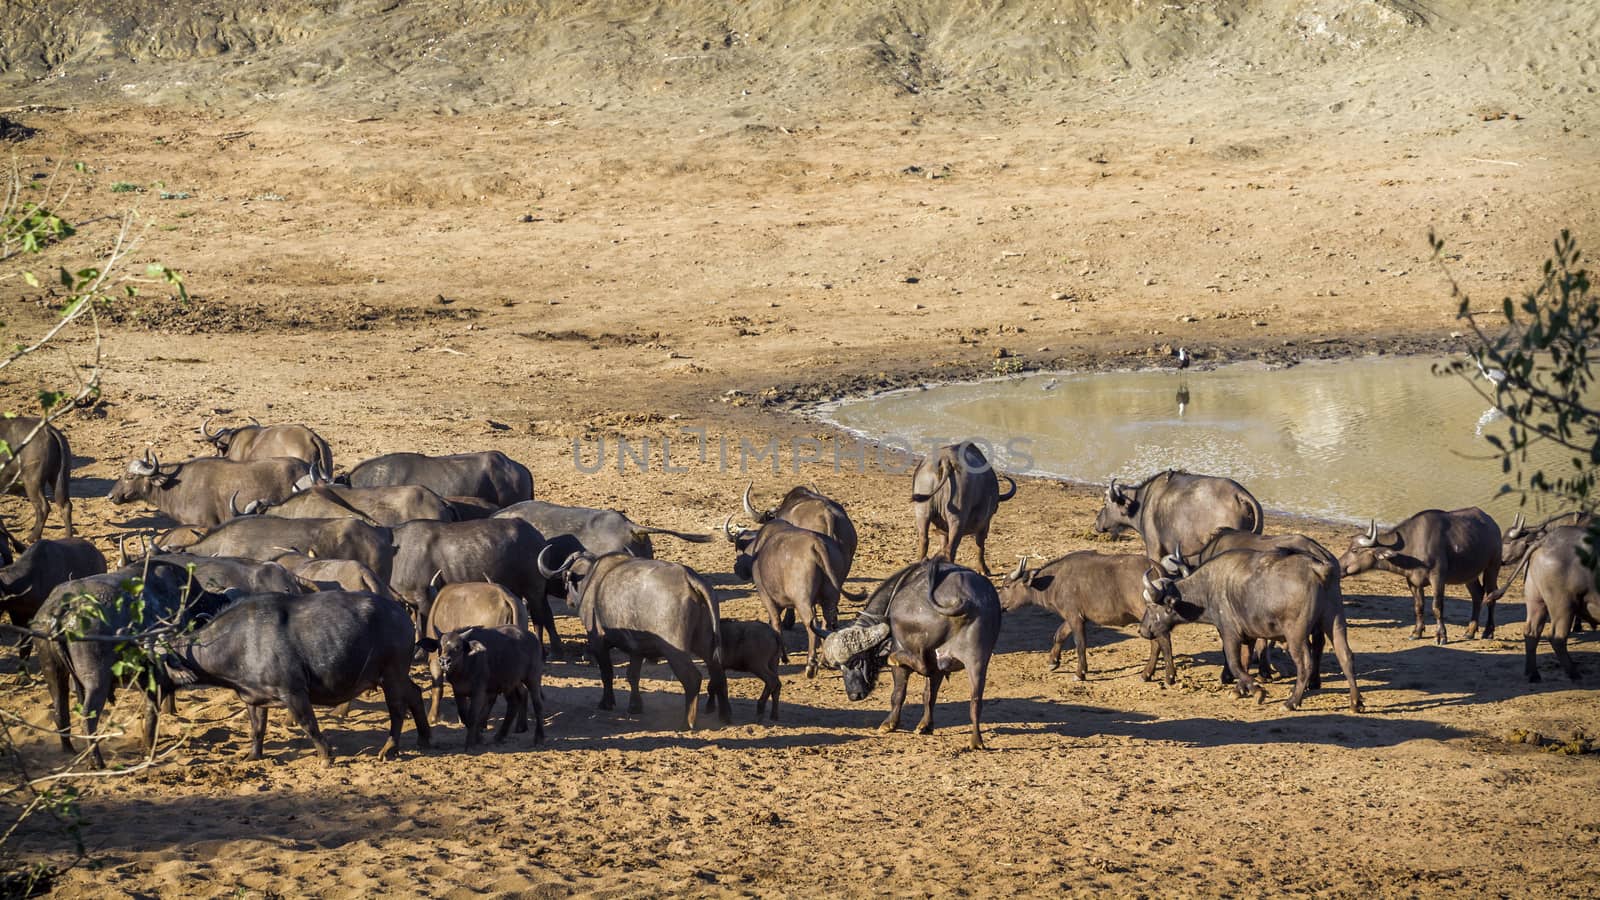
727	530
255	422
1112	492
1371	537
1517	524
544	568
122	550
1019	572
1172	564
233	505
749	509
211	435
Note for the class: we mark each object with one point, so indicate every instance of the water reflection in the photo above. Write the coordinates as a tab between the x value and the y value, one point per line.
1380	437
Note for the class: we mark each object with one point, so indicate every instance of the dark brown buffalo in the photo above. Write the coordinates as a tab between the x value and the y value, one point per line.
1560	589
321	649
956	491
76	632
335	575
1176	511
503	551
483	663
1521	537
752	647
1105	589
1251	595
931	618
258	441
464	605
209	491
43	466
1432	549
269	537
648	609
792	569
489	475
808	508
387	506
26	583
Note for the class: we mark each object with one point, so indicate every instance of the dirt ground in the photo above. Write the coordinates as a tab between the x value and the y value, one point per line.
632	253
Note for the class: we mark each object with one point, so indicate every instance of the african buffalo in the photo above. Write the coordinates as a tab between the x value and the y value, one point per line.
1106	589
1432	549
1174	509
482	663
258	441
42	464
26	583
1560	588
76	638
269	537
334	575
499	550
599	531
955	490
648	609
489	475
236	576
463	605
807	508
752	647
1521	537
931	617
386	506
208	491
322	649
792	568
1252	595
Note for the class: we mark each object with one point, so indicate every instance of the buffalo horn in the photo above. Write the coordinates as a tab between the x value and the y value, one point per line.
209	435
1019	572
544	568
727	530
1371	537
233	505
749	509
840	646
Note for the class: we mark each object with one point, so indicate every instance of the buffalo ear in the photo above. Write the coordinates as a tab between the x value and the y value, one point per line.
475	647
428	645
1040	582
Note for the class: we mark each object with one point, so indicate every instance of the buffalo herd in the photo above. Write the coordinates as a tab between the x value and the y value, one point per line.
298	589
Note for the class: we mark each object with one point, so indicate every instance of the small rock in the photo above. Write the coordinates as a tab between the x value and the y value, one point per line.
442	300
911	279
1188	318
526	217
1002	353
1259	323
917	306
1149	281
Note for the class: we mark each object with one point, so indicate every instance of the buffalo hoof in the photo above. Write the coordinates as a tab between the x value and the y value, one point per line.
1290	706
1358	707
1416	633
1081	678
811	670
389	750
1488	634
635	706
1441	639
608	704
1472	632
887	728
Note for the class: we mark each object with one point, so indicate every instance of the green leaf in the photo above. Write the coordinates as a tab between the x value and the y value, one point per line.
31	279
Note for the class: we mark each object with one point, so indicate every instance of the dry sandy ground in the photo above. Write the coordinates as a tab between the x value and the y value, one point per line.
523	277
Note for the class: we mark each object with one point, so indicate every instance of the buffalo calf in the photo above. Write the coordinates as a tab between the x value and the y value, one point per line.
484	663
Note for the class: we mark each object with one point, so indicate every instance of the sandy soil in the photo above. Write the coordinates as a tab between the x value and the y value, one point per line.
605	261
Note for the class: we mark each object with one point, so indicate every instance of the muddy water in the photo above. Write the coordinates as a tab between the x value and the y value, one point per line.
1344	440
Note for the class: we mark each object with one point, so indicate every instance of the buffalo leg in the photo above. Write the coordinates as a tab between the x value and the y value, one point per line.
437	673
689	676
41	509
930	698
539	608
952	540
94	701
258	731
1439	634
1263	651
1078	638
153	701
1417	601
514	701
1318	642
1341	649
977	677
467	712
1560	627
602	658
1164	643
981	538
1300	652
773	620
717	685
1475	591
773	686
1488	585
635	665
805	613
1537	612
536	700
1233	651
1057	642
1150	663
300	710
64	508
897	697
55	678
922	534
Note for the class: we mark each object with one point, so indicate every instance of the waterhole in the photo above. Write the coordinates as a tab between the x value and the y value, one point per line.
1342	440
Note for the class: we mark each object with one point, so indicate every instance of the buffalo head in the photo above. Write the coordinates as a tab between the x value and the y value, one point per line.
859	651
1020	586
454	652
743	541
1119	511
1369	551
1161	599
144	477
570	573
